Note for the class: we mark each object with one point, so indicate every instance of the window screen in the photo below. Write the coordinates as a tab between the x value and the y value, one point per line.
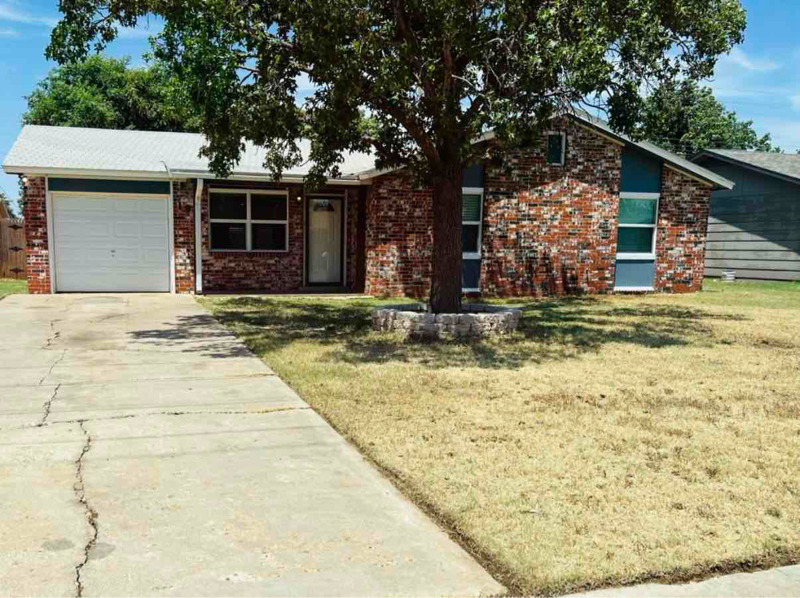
637	211
471	208
229	206
635	240
267	207
227	235
248	221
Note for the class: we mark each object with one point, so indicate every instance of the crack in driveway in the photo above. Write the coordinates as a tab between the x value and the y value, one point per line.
45	424
91	515
55	334
47	406
52	367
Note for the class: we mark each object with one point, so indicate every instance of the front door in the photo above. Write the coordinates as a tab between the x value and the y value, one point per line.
325	240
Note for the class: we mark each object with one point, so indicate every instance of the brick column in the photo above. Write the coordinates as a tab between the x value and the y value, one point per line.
37	252
682	226
183	221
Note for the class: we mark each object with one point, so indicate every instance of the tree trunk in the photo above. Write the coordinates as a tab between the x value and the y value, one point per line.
446	279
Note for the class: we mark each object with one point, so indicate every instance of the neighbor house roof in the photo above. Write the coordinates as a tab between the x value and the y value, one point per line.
107	152
782	165
74	150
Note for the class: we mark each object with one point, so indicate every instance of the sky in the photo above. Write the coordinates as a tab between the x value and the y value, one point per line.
759	80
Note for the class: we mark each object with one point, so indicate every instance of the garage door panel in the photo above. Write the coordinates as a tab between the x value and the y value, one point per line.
153	230
80	229
111	244
81	205
127	229
123	206
154	256
152	206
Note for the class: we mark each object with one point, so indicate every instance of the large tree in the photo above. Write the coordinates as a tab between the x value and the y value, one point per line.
685	117
107	93
432	74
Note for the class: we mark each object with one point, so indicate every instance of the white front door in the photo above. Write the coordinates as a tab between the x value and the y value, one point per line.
325	240
107	244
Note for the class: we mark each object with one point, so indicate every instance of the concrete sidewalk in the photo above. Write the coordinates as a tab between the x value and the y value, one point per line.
144	451
781	582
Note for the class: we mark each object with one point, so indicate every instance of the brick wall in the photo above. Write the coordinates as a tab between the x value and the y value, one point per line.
258	270
681	240
37	253
352	239
550	230
183	218
399	237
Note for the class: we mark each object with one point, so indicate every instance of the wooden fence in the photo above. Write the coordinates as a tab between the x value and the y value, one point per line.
12	249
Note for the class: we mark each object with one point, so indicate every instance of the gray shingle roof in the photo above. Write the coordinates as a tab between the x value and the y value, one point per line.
75	150
787	165
141	152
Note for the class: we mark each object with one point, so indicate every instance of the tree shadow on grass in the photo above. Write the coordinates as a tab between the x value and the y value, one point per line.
550	330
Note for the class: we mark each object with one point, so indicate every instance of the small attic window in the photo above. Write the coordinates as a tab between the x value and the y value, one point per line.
556	148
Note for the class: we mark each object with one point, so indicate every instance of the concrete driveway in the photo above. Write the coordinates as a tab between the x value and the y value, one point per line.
144	451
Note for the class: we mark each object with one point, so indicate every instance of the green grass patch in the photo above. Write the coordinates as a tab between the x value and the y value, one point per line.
11	286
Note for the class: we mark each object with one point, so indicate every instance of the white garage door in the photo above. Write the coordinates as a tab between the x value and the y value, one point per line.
107	243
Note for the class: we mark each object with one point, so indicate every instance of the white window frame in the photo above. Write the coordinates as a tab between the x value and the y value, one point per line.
248	222
471	255
474	255
641	256
563	147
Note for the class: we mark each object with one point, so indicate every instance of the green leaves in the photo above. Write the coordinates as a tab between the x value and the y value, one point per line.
686	118
432	75
105	93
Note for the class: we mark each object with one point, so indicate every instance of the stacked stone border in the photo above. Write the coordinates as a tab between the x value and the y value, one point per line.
478	320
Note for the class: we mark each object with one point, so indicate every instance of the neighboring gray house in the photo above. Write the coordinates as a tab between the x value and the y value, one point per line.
754	228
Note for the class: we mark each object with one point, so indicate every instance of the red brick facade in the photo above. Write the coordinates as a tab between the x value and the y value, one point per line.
275	271
353	248
183	219
399	237
38	254
681	233
550	230
547	230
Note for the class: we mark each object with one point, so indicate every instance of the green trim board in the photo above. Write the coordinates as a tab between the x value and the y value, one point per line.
641	173
108	186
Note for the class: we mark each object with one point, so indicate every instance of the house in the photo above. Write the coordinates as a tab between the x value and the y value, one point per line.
582	210
754	228
4	215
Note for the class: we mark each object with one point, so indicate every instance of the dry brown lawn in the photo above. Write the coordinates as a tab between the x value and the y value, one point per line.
610	441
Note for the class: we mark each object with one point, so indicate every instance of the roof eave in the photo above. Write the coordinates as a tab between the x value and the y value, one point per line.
163	176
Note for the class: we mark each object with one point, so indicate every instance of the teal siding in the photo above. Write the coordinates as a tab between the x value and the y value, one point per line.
472	176
635	273
470	274
109	186
754	228
640	173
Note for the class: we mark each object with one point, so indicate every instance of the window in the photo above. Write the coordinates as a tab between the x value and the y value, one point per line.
249	220
471	211
638	214
556	148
